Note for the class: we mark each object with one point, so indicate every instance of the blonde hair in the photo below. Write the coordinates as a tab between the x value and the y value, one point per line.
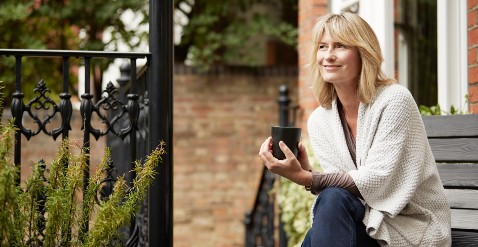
351	30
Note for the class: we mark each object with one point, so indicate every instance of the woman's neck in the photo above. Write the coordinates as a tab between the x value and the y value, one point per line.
350	103
349	99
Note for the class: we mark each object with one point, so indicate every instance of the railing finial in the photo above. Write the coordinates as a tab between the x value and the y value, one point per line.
125	69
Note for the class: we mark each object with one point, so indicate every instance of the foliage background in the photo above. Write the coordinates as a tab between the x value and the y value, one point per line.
219	32
62	25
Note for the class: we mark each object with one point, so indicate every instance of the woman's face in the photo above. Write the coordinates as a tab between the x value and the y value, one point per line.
338	64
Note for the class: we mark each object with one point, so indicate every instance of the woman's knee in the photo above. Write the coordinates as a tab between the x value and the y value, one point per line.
333	201
334	194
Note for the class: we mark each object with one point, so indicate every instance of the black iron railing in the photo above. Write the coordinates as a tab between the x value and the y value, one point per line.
120	114
139	227
260	220
149	107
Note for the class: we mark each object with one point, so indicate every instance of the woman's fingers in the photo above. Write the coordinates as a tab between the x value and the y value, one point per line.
302	151
287	152
265	147
303	157
302	147
266	153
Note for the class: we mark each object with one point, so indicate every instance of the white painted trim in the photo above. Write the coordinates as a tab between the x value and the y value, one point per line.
452	53
350	5
402	60
335	6
464	53
379	14
339	6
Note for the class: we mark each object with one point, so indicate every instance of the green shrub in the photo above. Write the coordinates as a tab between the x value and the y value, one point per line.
58	191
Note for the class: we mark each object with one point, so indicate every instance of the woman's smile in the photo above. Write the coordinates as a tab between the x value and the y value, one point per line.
331	68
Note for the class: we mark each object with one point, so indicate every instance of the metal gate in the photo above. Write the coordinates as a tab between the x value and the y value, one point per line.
138	115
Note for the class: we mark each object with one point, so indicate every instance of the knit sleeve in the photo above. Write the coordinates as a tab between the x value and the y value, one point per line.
390	171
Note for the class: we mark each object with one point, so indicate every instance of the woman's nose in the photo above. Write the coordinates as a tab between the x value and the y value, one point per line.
330	56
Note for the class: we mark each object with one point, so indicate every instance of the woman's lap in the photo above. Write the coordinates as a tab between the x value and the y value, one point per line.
338	218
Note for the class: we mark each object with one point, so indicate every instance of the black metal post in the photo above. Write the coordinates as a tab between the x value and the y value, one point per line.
86	110
65	107
133	111
160	209
17	113
284	102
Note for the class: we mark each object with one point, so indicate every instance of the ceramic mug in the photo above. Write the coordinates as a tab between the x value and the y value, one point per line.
289	135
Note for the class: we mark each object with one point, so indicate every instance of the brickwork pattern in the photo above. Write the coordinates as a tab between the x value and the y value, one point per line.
472	56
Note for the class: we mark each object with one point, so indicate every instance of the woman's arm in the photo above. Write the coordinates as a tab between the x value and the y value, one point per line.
321	181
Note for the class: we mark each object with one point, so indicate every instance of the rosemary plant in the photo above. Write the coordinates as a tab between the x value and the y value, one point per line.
51	209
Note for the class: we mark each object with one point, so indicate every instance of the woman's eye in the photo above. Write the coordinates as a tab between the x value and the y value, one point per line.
322	47
341	46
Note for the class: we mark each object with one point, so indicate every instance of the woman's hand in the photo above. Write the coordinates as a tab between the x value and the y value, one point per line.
289	167
303	158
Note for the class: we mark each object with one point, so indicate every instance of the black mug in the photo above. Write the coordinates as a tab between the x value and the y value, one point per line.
289	135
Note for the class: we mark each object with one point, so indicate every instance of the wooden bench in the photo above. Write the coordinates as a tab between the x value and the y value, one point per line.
454	142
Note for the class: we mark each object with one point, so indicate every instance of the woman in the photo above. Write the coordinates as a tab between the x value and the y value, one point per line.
380	184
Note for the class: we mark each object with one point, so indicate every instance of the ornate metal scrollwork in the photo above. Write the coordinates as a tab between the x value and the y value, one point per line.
40	198
260	221
108	183
41	102
66	110
18	107
110	102
142	223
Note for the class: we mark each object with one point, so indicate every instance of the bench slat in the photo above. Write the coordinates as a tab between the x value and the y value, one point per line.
453	140
458	175
464	219
457	149
462	198
464	239
451	126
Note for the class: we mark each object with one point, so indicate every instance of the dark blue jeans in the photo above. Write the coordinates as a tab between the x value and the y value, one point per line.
338	218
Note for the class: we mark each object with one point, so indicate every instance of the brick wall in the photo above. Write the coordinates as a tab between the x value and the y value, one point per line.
220	120
472	56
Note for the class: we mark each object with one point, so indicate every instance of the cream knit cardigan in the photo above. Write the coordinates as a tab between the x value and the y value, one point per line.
405	203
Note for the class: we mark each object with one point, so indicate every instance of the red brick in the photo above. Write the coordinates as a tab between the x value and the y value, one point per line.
472	18
472	4
473	75
473	94
473	109
472	56
473	36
